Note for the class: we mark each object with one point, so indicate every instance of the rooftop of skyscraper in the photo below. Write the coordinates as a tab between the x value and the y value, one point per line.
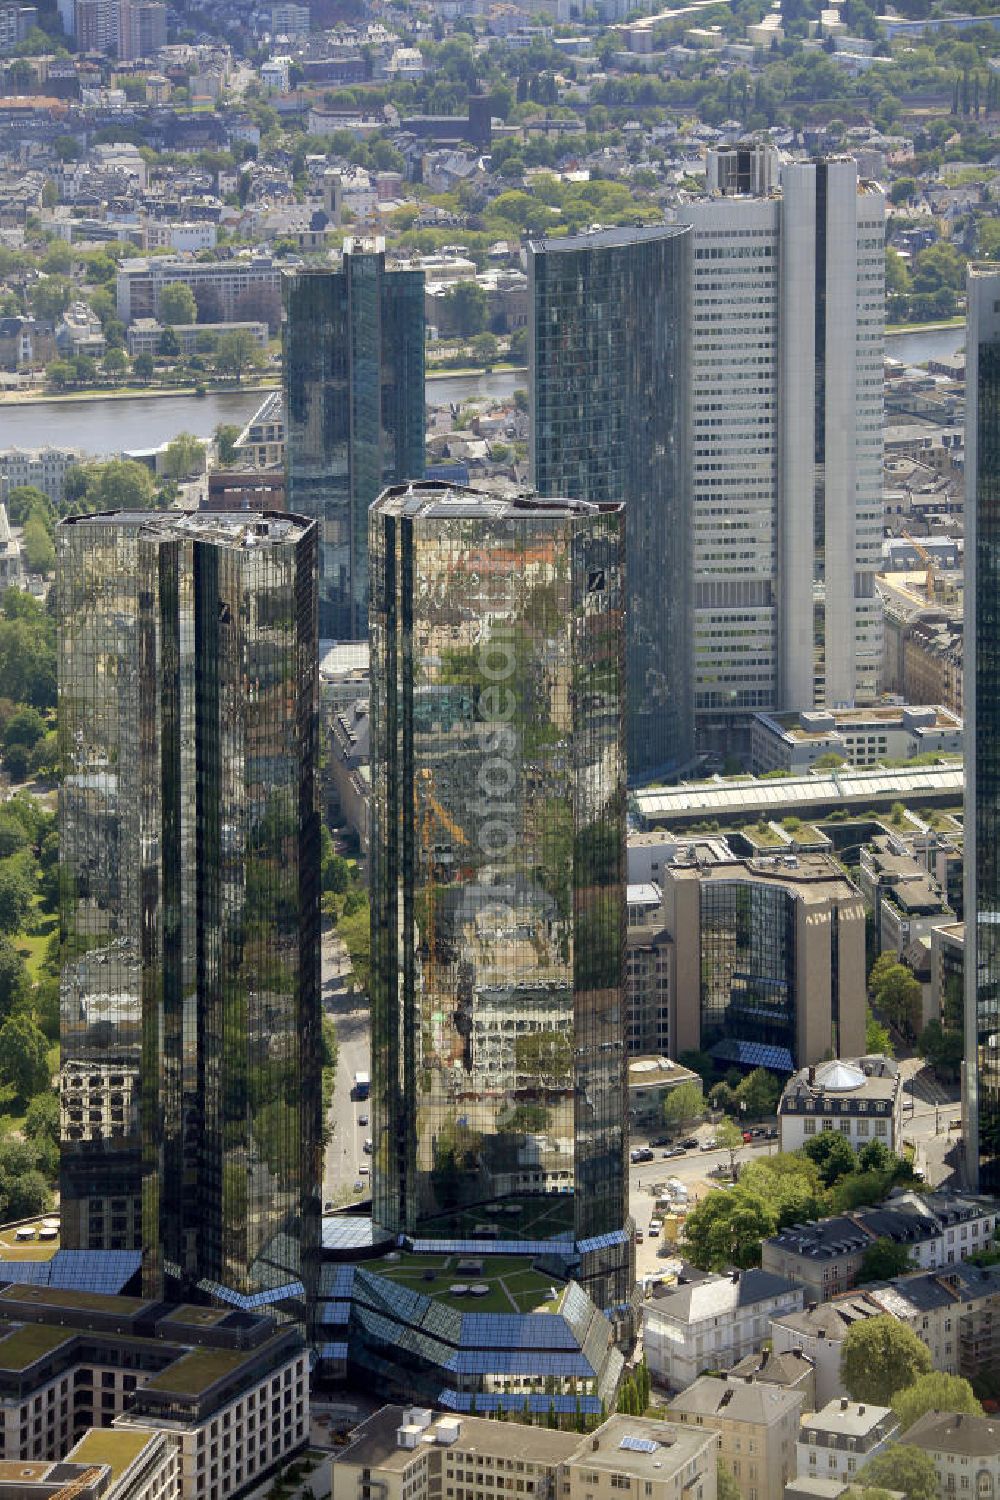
599	238
435	500
233	529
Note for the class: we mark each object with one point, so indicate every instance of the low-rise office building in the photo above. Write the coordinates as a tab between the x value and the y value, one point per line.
104	1465
756	1424
412	1453
650	1080
837	1441
647	973
908	901
861	1098
230	1388
861	736
146	334
712	1323
767	959
939	1229
221	288
964	1449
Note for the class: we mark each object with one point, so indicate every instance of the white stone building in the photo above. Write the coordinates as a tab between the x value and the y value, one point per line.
712	1324
861	1098
837	1441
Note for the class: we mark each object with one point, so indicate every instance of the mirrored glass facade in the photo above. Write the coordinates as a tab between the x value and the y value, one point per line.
498	869
354	412
608	353
748	964
190	1082
982	718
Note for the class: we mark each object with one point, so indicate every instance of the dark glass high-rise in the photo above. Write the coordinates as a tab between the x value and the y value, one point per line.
607	351
498	869
354	411
189	846
981	1077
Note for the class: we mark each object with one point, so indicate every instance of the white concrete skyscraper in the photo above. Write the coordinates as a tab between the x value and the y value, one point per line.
787	338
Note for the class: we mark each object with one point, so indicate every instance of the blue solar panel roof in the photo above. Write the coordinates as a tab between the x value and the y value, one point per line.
289	1292
107	1271
492	1247
753	1055
486	1401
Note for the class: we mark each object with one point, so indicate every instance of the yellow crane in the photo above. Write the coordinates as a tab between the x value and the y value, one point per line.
79	1484
928	561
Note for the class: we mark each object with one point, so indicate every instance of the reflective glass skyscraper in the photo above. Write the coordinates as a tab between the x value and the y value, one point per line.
354	412
982	729
498	872
190	1087
608	374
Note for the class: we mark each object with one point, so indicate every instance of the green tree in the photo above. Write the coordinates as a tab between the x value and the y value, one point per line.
24	499
789	1184
832	1153
902	190
875	1156
24	728
726	1229
143	368
168	345
16	893
184	456
910	1471
877	1038
115	363
759	1092
13	978
23	1057
39	552
225	439
944	1050
880	1356
238	351
729	1137
900	997
41	1122
728	1489
485	348
468	306
60	373
882	1260
50	297
683	1106
121	484
23	1189
177	304
935	1391
880	968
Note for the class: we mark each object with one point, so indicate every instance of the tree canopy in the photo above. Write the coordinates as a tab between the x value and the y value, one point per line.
880	1356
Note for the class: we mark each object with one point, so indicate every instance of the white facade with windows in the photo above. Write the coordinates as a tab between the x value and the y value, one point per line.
787	341
836	1442
860	1098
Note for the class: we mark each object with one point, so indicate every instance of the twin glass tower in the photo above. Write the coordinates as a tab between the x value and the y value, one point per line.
498	873
189	849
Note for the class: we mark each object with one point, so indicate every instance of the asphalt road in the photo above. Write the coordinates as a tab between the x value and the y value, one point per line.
345	1152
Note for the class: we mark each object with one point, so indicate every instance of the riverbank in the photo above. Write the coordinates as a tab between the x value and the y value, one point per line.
899	328
132	393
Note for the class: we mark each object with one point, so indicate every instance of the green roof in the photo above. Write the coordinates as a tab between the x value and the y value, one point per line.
30	1341
117	1447
194	1373
56	1297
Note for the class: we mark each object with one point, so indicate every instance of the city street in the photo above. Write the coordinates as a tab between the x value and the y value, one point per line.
345	1153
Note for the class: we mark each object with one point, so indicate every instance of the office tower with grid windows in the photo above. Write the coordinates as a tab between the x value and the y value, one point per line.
354	412
608	375
787	317
981	1076
189	1084
498	869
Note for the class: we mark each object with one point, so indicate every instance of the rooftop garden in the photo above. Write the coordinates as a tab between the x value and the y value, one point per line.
514	1287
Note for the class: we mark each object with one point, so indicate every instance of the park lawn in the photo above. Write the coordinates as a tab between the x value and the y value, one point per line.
34	946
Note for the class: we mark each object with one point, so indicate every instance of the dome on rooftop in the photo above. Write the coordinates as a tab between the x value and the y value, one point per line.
839	1076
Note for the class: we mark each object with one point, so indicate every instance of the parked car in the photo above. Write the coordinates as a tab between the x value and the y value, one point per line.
710	1145
675	1151
660	1140
639	1237
747	1137
691	1144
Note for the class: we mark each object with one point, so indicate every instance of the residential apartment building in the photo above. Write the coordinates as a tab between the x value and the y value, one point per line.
712	1323
862	1098
939	1229
411	1453
43	468
838	1440
787	298
230	1389
225	290
261	444
981	1076
757	1426
189	839
143	29
608	369
964	1449
15	23
767	958
103	1465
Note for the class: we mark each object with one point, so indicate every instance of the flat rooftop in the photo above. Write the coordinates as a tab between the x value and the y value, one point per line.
608	239
118	1447
434	500
236	529
197	1371
375	1443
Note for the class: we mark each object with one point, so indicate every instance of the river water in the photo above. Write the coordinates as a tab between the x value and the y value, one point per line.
108	426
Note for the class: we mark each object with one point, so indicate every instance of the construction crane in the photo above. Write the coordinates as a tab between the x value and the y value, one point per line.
79	1484
928	561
